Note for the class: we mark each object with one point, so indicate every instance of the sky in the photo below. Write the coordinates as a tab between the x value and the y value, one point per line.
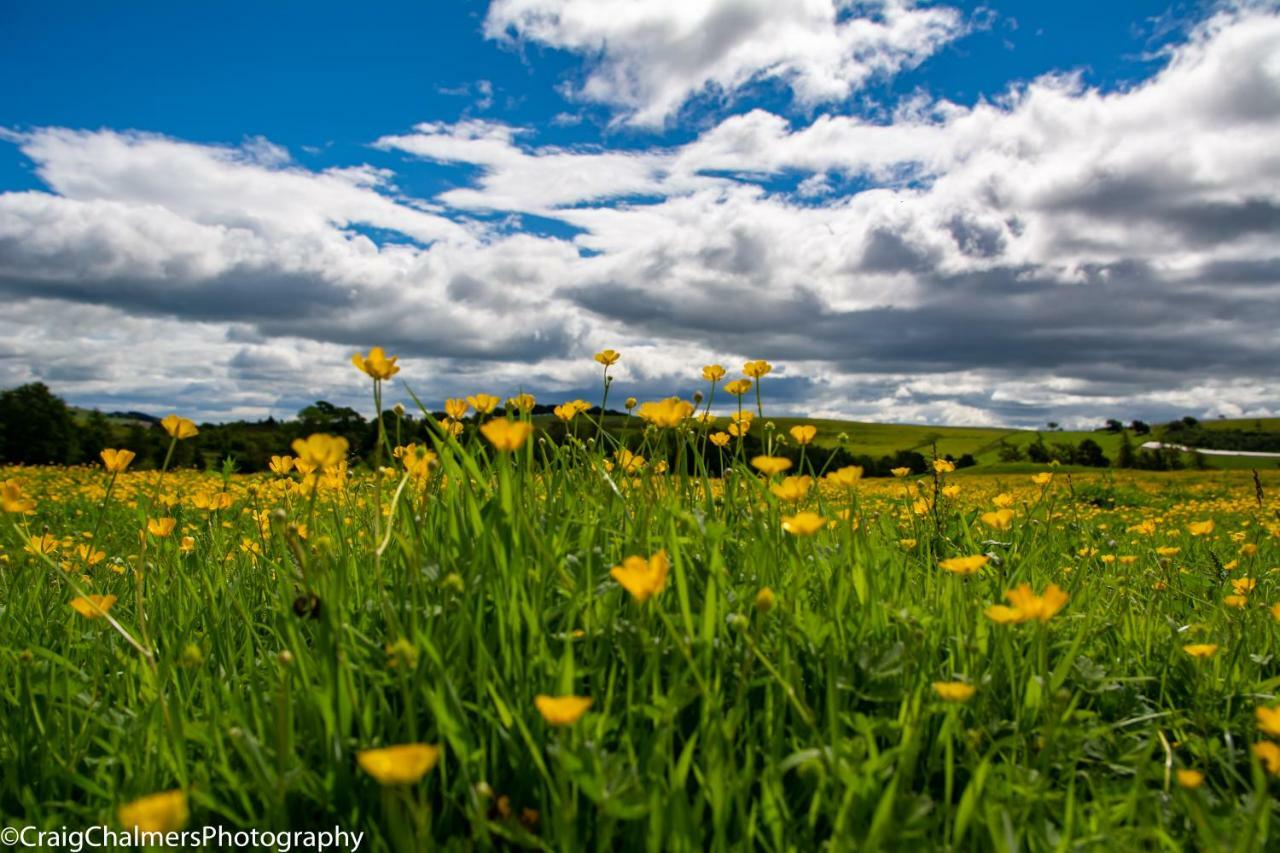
1004	213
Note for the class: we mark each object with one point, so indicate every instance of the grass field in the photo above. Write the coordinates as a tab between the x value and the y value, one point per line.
496	642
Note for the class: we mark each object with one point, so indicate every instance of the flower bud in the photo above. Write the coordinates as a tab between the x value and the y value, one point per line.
765	600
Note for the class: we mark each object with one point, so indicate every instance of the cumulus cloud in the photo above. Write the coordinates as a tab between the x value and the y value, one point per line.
650	58
1057	252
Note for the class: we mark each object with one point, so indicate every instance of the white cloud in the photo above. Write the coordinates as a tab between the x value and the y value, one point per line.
651	57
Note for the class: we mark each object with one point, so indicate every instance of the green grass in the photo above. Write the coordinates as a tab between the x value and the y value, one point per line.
251	670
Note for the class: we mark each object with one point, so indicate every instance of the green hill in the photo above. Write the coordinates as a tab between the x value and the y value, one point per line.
985	443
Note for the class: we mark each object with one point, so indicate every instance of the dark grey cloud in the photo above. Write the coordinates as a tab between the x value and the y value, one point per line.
1126	324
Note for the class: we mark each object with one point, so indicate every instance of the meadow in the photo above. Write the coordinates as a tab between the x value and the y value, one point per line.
497	641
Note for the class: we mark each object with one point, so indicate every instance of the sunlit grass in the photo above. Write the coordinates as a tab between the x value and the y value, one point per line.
496	639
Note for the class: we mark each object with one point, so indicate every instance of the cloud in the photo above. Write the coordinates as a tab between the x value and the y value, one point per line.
158	226
1056	253
650	58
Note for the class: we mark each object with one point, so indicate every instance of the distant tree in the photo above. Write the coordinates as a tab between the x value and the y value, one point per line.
1037	452
1010	453
95	434
966	461
325	415
1089	452
1052	425
1125	458
1140	427
1113	425
36	427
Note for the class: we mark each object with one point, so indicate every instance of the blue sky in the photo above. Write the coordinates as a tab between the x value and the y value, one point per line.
578	178
321	75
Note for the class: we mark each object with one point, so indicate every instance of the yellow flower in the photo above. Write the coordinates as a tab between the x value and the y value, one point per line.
178	428
376	364
1200	528
1044	478
607	357
1275	611
562	710
900	472
484	403
1167	551
792	488
1001	519
953	691
713	373
451	427
1042	607
320	451
42	544
89	556
211	502
115	461
13	500
771	465
803	523
281	465
803	434
1268	719
629	462
756	369
507	436
846	477
416	460
943	466
719	439
1239	601
568	411
1003	500
738	387
950	491
456	409
1003	615
92	606
1026	605
402	653
522	402
964	565
630	403
1201	650
765	600
404	764
642	578
160	526
164	812
1190	779
1269	754
187	545
1248	549
667	413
